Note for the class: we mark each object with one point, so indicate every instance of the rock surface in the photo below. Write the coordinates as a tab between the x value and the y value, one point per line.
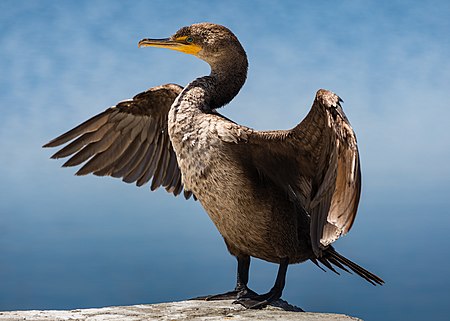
179	311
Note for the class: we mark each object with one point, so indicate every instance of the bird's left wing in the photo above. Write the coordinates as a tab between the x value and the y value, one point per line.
334	203
129	140
316	167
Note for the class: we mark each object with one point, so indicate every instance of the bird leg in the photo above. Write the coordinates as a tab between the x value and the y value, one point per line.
241	290
255	301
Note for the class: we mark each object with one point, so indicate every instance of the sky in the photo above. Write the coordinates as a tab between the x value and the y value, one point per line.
71	242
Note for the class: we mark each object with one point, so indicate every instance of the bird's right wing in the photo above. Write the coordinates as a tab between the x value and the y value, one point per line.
129	140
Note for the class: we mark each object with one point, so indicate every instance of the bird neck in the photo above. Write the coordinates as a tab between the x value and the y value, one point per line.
227	77
223	83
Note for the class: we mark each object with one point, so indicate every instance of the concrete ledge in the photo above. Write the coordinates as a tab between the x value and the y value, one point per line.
179	311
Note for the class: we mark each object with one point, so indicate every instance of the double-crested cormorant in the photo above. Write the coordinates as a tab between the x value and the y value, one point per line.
282	196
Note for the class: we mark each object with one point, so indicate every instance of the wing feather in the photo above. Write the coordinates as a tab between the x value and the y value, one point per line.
132	169
92	149
83	140
90	125
104	159
171	168
151	162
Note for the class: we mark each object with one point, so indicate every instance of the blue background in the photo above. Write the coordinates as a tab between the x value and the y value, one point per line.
72	242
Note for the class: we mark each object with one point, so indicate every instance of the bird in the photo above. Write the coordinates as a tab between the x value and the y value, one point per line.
282	196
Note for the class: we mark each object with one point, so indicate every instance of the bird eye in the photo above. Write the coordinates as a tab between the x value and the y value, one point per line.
189	39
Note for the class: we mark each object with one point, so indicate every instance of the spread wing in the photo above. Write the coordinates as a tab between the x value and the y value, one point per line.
129	140
317	164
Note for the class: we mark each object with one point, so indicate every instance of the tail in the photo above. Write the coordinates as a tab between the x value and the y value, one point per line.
333	257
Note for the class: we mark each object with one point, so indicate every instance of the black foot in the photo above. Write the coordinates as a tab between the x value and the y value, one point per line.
257	301
231	295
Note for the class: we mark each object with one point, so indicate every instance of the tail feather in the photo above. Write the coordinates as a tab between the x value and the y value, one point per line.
328	265
336	259
317	264
338	264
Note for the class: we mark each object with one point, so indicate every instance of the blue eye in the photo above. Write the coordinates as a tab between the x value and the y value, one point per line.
189	39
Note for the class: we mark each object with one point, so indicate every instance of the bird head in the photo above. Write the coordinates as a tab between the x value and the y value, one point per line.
210	42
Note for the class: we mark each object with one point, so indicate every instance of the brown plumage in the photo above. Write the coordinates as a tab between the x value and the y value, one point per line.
281	196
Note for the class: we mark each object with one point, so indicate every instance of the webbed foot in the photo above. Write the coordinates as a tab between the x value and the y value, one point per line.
230	295
257	301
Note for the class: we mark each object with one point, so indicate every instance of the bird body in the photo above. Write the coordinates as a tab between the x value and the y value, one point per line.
206	146
282	196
